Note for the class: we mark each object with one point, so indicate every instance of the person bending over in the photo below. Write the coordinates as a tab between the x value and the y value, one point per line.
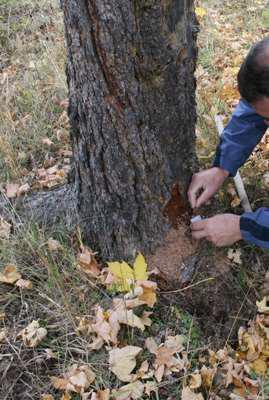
244	131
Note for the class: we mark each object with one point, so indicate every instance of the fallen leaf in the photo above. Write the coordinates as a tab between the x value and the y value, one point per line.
3	334
188	394
101	395
235	256
11	190
24	284
263	305
165	363
122	361
195	381
87	262
5	229
10	274
77	379
54	245
33	334
23	189
259	366
47	141
125	276
47	397
151	386
133	391
200	12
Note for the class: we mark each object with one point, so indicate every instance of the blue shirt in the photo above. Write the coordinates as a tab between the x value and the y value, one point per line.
244	131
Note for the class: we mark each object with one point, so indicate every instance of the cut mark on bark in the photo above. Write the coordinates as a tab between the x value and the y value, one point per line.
177	209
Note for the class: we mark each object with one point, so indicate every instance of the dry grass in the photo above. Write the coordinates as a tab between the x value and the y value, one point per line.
33	83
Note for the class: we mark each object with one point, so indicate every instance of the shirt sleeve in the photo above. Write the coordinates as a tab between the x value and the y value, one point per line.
245	129
254	227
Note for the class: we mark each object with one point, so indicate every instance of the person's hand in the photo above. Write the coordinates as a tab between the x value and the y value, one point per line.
208	181
221	230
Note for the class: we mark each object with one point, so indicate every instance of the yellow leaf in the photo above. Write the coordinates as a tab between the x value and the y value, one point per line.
124	275
140	268
77	379
200	12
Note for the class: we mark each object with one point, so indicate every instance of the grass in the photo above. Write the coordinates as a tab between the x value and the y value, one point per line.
33	85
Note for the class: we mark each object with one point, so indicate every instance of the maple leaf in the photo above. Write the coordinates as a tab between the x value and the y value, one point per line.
10	274
122	362
33	334
165	363
125	276
77	379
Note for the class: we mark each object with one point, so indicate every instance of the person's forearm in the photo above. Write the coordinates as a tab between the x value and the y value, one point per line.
254	227
245	129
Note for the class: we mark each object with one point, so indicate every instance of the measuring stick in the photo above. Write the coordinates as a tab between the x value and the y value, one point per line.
237	179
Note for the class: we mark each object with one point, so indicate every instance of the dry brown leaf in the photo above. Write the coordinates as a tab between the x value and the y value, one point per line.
188	394
165	363
207	375
122	362
259	366
23	189
10	274
195	381
133	391
47	397
151	386
3	334
263	305
11	190
235	256
87	262
149	292
54	245
5	229
47	141
77	379
24	284
101	395
33	334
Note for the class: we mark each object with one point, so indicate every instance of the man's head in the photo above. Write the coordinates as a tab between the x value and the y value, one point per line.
253	78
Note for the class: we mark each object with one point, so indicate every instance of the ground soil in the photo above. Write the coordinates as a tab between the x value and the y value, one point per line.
220	305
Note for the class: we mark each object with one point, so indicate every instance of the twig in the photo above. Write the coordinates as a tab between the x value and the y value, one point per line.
190	286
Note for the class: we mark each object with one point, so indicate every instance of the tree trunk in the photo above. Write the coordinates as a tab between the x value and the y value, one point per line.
130	72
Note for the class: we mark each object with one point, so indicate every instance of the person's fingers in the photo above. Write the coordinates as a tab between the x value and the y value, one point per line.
198	225
203	198
199	234
192	192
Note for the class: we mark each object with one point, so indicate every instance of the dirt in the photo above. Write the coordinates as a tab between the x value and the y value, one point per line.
220	305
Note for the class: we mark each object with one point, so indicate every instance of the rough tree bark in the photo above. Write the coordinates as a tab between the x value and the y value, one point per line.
132	111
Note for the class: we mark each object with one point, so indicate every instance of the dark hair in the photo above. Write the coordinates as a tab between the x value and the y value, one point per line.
253	76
